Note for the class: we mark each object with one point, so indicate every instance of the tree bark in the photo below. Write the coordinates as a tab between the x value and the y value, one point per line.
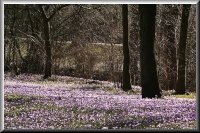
149	79
46	31
134	45
48	64
180	86
126	74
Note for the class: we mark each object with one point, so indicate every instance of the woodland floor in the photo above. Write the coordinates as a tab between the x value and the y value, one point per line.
74	103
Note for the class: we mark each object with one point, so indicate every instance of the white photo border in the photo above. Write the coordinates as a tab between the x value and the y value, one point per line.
2	2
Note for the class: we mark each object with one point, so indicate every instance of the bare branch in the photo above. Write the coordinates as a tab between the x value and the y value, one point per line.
56	10
37	40
42	11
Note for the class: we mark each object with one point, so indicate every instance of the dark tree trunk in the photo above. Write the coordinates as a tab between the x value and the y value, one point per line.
180	86
46	31
48	62
134	44
126	75
12	33
149	79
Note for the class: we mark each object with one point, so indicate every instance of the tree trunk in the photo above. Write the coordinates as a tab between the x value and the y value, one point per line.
46	31
13	42
168	28
126	75
134	44
180	86
48	61
149	79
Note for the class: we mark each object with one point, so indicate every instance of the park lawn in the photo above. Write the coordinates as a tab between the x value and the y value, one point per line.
64	105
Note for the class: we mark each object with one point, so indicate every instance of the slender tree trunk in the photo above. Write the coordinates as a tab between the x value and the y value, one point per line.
149	79
48	62
168	28
134	44
31	48
13	39
180	86
126	74
46	31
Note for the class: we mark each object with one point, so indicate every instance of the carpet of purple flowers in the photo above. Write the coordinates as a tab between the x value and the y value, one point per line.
74	103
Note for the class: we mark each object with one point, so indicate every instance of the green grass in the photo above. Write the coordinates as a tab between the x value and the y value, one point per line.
19	98
16	100
190	96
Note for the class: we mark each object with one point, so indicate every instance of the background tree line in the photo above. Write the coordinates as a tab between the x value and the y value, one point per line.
95	41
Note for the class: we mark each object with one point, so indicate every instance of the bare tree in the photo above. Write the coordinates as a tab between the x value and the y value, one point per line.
46	30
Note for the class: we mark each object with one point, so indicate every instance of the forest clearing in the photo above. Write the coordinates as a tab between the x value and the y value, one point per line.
74	103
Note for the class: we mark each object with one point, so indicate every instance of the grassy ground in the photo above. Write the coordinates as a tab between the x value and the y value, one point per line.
19	105
72	103
191	95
